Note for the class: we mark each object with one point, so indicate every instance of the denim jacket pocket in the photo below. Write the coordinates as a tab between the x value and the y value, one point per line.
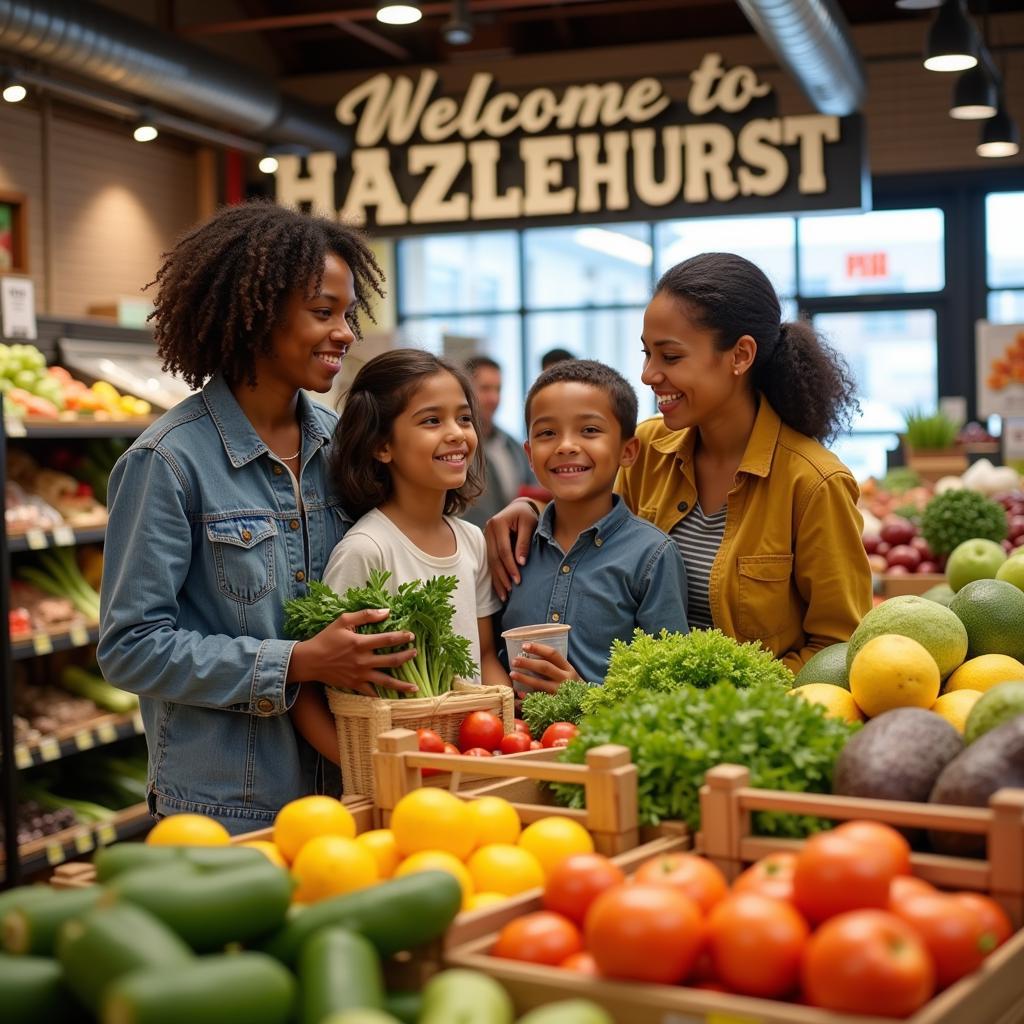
243	554
764	594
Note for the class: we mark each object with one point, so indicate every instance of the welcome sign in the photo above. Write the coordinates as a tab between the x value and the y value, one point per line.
602	150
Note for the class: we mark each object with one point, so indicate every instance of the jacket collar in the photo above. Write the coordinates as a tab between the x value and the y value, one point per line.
241	442
760	450
605	526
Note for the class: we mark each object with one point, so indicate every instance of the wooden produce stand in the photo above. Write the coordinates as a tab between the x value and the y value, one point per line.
993	994
917	583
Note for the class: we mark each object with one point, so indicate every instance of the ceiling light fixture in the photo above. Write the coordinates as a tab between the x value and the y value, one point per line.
974	96
145	130
14	91
399	14
952	43
917	5
458	30
999	135
268	164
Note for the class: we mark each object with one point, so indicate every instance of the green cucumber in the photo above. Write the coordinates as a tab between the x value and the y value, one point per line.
21	896
459	996
32	927
230	988
406	1006
400	914
120	858
108	942
212	908
568	1011
32	991
338	970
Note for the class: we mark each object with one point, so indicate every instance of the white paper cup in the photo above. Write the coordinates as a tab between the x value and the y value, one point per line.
553	634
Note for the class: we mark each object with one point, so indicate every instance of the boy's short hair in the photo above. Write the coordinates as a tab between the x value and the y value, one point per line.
620	392
481	362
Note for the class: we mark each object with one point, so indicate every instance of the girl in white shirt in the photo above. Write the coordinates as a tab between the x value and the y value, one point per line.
407	462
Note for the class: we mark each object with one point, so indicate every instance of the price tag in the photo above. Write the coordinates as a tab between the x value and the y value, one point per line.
84	740
14	427
137	723
106	834
22	756
42	644
36	540
49	749
79	636
106	733
63	536
55	854
84	843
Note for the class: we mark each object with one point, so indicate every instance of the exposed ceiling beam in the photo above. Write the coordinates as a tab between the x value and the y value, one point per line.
374	39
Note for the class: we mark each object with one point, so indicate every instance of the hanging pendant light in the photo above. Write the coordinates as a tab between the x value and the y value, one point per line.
974	96
951	44
458	30
407	13
999	135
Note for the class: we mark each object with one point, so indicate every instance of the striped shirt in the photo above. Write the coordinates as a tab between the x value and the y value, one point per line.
698	538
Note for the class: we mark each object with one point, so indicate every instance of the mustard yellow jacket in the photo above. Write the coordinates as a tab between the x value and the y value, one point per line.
791	571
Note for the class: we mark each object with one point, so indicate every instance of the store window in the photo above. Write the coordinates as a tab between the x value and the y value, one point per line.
1004	273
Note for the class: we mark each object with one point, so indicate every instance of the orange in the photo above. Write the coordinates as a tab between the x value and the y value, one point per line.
269	850
310	816
188	830
380	843
479	900
331	865
433	819
496	820
439	860
553	839
504	868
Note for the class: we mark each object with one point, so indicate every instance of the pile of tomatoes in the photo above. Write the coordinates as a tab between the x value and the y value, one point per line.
482	734
842	924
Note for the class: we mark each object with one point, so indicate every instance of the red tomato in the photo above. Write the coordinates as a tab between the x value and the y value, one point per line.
835	873
756	943
536	744
955	934
867	961
450	748
19	620
771	876
558	731
561	742
430	743
882	837
691	874
514	743
581	963
519	725
906	887
481	729
577	881
477	752
644	933
539	938
997	925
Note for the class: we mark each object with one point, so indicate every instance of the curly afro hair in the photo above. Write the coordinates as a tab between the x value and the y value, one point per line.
224	286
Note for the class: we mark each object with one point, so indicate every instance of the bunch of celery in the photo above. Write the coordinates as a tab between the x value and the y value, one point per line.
421	607
58	574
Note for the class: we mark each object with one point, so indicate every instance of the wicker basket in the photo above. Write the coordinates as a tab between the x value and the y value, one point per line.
360	720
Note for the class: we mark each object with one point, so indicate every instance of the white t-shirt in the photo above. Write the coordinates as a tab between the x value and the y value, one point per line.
376	543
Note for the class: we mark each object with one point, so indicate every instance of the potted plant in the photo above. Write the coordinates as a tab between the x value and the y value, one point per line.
929	445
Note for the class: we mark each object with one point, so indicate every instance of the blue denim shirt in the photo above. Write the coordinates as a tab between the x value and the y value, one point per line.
204	546
621	573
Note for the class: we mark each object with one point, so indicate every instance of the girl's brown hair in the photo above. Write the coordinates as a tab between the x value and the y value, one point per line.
380	392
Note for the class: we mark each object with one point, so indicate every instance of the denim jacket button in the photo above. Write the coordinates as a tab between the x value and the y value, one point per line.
294	524
598	542
278	470
300	576
247	535
264	705
566	568
555	616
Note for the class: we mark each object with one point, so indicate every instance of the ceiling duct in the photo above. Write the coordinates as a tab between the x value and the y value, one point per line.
812	42
107	47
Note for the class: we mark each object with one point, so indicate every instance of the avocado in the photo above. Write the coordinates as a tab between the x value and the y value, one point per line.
993	761
999	704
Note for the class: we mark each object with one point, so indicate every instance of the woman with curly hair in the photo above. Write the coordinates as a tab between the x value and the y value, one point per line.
734	468
222	510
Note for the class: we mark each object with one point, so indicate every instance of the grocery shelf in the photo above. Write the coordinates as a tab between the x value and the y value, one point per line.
48	852
69	429
46	643
75	738
58	537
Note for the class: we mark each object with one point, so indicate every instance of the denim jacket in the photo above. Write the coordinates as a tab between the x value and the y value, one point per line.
622	573
204	546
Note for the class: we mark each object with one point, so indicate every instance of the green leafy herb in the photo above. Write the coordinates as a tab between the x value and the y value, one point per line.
900	480
421	607
542	709
929	431
669	661
952	517
674	738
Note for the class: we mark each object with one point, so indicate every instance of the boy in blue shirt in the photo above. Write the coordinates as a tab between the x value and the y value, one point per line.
593	565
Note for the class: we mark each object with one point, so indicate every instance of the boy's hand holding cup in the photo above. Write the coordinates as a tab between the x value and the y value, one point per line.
537	656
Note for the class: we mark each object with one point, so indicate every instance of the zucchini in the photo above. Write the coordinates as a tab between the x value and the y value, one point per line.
209	909
459	996
406	1006
120	858
108	942
230	988
338	970
81	683
32	991
32	927
21	896
399	914
568	1011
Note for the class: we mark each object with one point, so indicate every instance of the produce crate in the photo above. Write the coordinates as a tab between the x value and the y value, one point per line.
896	585
991	994
609	779
361	720
933	465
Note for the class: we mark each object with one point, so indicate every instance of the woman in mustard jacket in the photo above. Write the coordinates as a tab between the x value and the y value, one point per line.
734	468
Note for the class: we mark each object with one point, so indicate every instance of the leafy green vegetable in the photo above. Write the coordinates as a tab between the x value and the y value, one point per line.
663	663
952	517
676	737
421	607
899	480
541	709
929	431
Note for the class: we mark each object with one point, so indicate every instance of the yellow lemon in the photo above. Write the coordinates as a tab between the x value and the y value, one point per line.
479	900
331	865
188	830
380	842
308	817
501	867
956	706
982	673
439	860
269	850
837	702
553	839
433	819
893	671
496	820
